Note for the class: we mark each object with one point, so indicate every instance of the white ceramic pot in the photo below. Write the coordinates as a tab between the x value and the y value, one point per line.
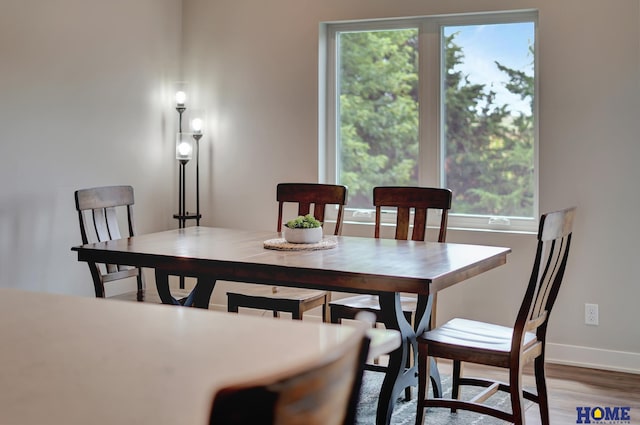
312	235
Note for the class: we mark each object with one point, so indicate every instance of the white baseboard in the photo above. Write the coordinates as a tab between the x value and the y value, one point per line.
595	358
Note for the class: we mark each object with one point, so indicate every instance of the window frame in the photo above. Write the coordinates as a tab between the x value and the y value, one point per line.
431	114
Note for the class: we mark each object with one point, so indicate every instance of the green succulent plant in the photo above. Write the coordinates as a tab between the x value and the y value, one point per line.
303	222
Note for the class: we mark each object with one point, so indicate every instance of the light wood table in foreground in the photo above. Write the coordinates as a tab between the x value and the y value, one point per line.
72	360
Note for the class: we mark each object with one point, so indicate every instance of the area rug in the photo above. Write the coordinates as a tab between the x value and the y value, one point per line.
404	412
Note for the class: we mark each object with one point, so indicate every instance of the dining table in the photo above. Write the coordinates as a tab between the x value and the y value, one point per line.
383	267
79	360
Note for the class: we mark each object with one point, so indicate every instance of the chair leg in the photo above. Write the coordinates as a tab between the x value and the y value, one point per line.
515	390
455	381
325	307
434	304
541	386
141	288
333	315
376	360
232	307
407	394
98	285
434	376
423	381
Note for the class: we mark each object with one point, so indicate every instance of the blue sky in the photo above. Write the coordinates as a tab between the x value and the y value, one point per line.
484	44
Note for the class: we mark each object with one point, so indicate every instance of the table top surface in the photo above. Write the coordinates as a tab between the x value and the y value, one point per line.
356	264
74	360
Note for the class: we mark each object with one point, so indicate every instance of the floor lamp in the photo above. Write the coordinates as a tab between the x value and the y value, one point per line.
184	153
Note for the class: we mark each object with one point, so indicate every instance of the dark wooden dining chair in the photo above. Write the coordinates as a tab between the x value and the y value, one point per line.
294	300
98	215
325	393
403	200
463	340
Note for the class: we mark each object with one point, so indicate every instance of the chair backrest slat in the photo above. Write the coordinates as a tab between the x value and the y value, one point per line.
112	223
402	223
419	224
304	208
316	194
100	224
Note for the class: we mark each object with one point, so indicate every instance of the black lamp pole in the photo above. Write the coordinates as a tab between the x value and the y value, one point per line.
197	136
181	216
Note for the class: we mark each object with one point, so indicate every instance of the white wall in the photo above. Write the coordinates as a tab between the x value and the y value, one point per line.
254	66
83	102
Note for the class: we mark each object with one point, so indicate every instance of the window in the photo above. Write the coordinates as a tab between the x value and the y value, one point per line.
436	101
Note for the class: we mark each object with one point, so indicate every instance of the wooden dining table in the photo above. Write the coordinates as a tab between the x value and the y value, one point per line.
76	360
383	267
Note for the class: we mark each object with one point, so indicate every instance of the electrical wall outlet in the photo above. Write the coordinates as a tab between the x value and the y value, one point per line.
591	314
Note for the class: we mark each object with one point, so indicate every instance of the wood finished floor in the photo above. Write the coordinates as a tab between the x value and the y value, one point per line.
571	386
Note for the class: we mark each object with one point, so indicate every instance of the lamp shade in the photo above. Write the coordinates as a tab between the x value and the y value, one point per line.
196	125
181	98
180	90
197	121
184	147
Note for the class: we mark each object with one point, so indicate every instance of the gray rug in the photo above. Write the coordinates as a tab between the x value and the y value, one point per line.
404	412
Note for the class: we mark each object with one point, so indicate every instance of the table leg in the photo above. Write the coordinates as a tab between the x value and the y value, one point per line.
201	293
423	323
398	376
162	284
199	296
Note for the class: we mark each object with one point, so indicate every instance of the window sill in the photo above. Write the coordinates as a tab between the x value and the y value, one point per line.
365	228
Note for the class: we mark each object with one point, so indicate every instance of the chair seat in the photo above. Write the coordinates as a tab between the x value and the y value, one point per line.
473	340
348	308
371	303
275	298
294	294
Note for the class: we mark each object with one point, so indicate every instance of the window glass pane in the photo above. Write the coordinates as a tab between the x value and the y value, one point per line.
488	122
377	111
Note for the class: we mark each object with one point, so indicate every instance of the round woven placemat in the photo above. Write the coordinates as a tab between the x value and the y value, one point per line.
282	245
